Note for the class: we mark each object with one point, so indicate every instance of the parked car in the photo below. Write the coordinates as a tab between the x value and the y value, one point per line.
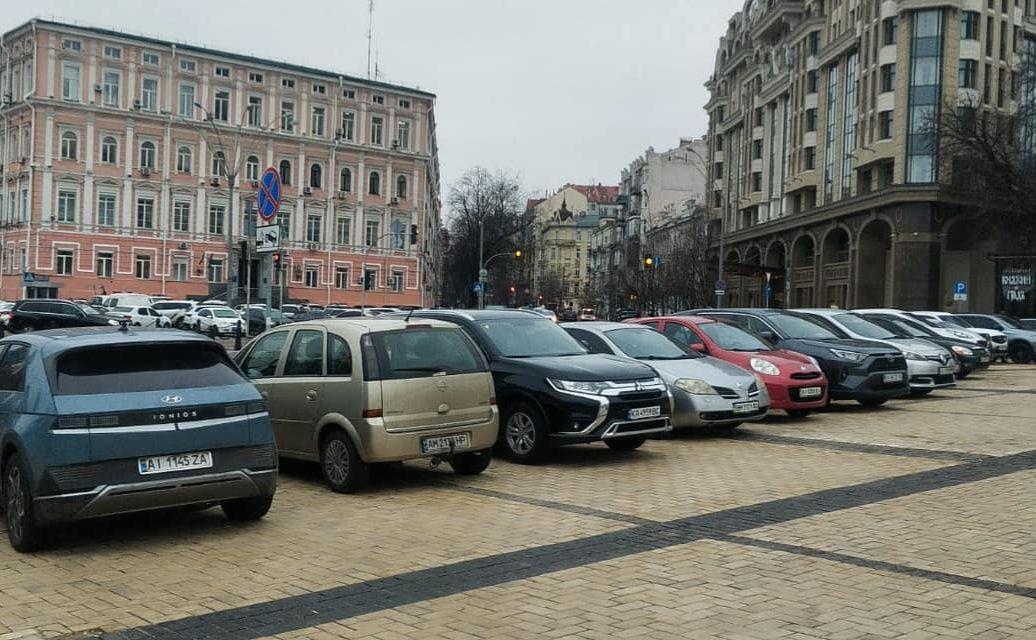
140	317
1021	342
942	319
344	313
793	381
706	392
568	315
350	393
552	392
221	320
936	327
868	372
120	421
261	319
374	312
126	300
625	314
546	313
969	356
587	315
40	314
308	316
1028	323
172	308
929	366
290	310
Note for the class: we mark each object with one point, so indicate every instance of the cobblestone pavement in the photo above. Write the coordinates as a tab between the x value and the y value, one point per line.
912	521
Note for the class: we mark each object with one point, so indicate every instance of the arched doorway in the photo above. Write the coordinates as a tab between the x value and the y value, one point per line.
776	265
751	279
803	271
834	262
966	244
874	282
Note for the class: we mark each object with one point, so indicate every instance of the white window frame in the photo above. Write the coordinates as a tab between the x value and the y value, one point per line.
255	77
186	110
221	71
371	232
319	88
349	125
287	126
67	203
113	157
397	281
64	262
150	58
377	136
318	120
107	218
217	214
287	83
349	94
71	44
142	266
149	103
69	151
181	213
112	52
67	94
181	270
341	277
315	273
188	65
181	166
252	168
216	100
403	127
314	225
147	154
110	93
345	224
255	116
145	205
107	259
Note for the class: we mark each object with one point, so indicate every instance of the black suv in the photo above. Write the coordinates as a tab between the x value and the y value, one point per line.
551	391
862	370
40	314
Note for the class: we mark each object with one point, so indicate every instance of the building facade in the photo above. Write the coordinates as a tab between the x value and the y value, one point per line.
118	152
658	185
824	167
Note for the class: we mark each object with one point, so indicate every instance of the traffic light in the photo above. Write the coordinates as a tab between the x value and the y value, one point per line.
413	234
517	253
649	260
276	261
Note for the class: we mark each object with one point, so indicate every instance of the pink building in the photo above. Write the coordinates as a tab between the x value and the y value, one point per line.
116	152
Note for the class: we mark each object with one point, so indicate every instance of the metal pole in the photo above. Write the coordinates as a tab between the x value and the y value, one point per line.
720	292
248	285
481	267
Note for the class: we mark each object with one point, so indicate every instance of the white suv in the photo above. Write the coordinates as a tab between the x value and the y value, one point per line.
140	317
223	319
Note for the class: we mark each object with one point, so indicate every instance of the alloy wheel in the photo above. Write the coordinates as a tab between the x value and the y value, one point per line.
336	462
520	433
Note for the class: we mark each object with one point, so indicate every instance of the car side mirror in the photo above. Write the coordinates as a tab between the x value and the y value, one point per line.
699	347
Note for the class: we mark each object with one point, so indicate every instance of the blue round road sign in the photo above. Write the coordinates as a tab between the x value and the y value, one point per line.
269	200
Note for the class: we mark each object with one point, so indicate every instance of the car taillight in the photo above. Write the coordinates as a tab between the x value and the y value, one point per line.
372	413
492	401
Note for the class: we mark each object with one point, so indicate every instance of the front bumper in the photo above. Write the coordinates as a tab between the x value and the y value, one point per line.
926	375
576	418
788	396
691	410
866	383
379	445
108	500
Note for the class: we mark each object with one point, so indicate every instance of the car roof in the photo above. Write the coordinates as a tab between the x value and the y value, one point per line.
822	311
361	324
59	340
746	310
475	314
603	325
691	319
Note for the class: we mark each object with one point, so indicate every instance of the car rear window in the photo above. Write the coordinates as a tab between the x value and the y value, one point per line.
142	367
421	353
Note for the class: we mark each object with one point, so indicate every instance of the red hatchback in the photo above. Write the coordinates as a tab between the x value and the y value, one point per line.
794	381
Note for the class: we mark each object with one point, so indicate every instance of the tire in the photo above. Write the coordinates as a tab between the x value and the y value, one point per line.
873	402
1020	352
964	373
343	469
523	433
19	514
630	443
471	463
247	509
798	413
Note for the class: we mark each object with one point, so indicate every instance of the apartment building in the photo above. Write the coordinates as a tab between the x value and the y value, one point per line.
824	169
117	154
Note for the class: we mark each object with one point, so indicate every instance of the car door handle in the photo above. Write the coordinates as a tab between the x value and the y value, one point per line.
311	395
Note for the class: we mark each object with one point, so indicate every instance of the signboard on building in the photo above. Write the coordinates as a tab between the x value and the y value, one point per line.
1016	284
267	238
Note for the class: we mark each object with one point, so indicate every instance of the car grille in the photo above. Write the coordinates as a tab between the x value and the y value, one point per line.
999	339
727	393
888	362
730	415
941	358
805	376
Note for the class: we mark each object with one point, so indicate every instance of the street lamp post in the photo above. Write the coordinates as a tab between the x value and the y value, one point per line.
482	271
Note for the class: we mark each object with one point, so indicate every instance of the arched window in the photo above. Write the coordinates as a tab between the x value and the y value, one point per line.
184	159
345	181
398	234
219	164
401	187
315	175
69	146
252	168
285	171
375	183
109	150
147	155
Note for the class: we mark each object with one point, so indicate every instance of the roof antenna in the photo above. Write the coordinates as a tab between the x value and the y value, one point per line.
407	319
370	34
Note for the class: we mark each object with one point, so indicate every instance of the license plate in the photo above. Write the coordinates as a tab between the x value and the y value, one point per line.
441	444
644	412
892	377
984	359
943	371
175	462
746	407
810	392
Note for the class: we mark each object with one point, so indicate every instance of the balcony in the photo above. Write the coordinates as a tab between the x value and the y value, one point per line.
778	15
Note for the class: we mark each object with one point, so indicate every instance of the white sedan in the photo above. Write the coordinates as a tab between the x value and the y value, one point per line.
223	319
140	316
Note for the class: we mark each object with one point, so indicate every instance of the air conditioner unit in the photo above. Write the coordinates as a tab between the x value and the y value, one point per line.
182	246
312	246
394	201
136	105
97	88
338	133
343	195
145	171
214	182
395	144
255	183
307	191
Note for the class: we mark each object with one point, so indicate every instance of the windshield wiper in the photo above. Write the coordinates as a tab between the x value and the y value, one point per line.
679	357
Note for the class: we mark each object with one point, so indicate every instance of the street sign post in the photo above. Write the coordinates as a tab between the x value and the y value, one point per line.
269	195
478	287
960	291
267	238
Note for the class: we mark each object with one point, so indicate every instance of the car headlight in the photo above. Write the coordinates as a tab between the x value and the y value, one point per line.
962	351
695	386
113	323
913	355
764	366
579	386
852	356
816	363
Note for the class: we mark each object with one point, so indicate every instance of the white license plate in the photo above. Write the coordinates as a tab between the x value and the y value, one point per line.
984	359
811	392
946	370
892	377
644	412
746	407
175	462
443	444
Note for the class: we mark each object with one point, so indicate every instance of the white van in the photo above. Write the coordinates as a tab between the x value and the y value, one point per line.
126	300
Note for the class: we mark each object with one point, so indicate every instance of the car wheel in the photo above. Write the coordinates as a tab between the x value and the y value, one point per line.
873	402
798	413
1020	352
23	532
625	444
344	471
471	463
963	374
524	434
247	509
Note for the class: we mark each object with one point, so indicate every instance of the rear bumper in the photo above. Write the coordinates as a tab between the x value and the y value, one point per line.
108	500
379	445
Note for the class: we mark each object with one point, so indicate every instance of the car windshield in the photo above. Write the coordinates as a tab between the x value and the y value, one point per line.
731	338
529	337
894	326
646	344
1011	322
954	320
799	328
143	367
862	327
913	329
88	310
224	313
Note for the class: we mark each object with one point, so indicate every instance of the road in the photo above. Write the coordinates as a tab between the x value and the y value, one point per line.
912	521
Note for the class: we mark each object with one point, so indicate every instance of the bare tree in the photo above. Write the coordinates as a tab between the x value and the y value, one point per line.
496	203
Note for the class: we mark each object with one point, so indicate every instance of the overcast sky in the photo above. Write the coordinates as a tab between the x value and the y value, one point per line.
553	90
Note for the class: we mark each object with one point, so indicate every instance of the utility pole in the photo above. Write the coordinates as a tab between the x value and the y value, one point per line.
481	268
